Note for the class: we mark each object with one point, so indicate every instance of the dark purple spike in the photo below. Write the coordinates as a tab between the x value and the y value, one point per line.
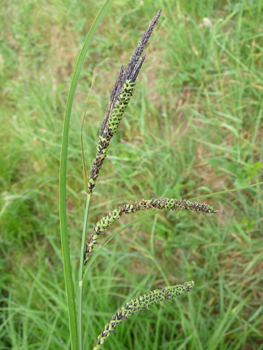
112	98
132	70
140	47
137	68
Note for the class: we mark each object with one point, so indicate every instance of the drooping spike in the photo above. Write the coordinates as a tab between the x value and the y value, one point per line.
155	203
142	302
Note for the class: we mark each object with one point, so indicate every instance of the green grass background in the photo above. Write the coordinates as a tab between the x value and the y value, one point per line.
193	127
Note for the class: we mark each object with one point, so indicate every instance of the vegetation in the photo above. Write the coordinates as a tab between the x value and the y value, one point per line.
193	127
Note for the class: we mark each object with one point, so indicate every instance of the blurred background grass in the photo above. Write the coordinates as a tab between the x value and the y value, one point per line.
193	127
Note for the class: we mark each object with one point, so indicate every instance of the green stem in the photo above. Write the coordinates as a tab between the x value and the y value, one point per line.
62	181
64	232
81	265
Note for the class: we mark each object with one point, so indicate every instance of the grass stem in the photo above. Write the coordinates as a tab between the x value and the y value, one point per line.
81	265
63	177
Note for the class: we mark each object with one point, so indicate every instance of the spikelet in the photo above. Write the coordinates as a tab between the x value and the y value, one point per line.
119	99
136	305
109	130
157	203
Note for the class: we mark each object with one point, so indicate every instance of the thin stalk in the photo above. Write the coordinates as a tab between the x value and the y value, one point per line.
81	266
82	149
62	181
81	138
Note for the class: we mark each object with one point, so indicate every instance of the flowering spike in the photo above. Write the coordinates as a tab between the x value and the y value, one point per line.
157	203
136	305
120	96
112	98
109	130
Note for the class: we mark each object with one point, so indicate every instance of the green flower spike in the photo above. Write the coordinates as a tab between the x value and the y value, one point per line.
138	304
119	99
109	130
157	203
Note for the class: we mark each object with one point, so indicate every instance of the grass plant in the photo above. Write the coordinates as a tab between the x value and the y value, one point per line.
193	128
119	99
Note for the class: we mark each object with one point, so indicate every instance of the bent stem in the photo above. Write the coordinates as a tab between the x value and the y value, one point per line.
80	286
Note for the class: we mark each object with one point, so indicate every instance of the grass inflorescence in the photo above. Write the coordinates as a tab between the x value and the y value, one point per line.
193	128
109	130
155	203
120	96
142	302
119	99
